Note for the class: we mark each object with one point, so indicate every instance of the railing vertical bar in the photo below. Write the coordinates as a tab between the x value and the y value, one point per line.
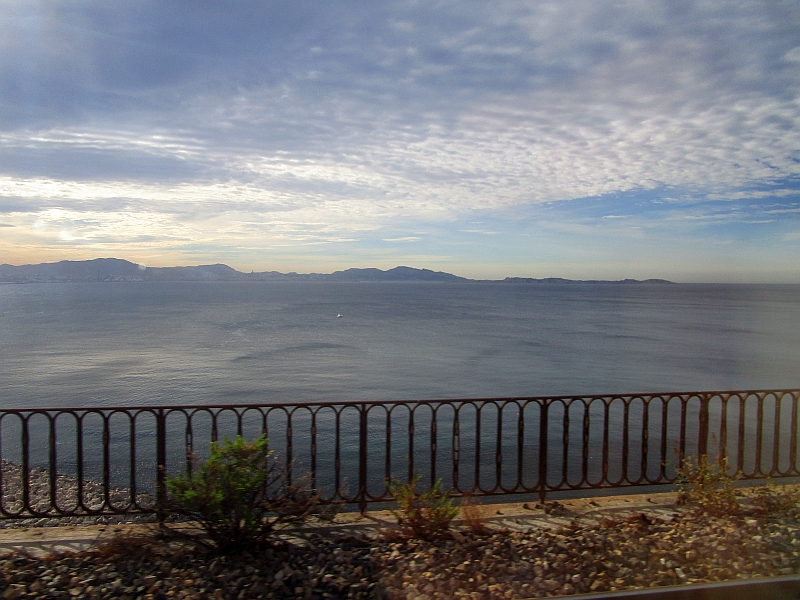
625	444
543	422
456	447
26	466
267	458
606	434
189	443
132	483
289	446
337	454
723	429
265	425
476	484
313	448
776	436
434	442
53	461
498	449
106	460
741	433
161	464
411	443
565	446
793	438
759	434
645	437
585	448
682	444
362	460
664	416
520	444
79	459
387	471
702	432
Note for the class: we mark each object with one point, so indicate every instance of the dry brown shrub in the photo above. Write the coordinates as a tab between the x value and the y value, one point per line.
707	486
393	535
473	515
772	498
423	515
127	544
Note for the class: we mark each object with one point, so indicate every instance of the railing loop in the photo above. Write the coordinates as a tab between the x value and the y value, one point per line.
616	449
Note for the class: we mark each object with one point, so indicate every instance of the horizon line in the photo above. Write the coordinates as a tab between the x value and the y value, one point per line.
522	278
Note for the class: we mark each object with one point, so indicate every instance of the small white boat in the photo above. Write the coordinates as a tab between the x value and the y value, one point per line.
339	316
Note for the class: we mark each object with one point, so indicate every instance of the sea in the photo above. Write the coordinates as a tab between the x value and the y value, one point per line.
105	344
141	343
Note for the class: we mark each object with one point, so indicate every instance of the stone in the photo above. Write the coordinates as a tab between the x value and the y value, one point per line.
14	591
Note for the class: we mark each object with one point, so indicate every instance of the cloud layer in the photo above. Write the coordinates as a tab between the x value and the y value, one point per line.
313	134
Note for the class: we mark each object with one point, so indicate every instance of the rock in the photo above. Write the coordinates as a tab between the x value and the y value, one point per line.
586	555
14	591
459	537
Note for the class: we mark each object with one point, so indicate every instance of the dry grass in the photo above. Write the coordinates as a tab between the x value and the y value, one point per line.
129	544
707	486
772	498
424	515
473	515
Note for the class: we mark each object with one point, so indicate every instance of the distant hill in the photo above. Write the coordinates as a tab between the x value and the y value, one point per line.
560	280
112	269
115	269
396	274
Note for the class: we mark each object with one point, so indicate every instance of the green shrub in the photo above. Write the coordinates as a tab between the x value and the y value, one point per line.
241	495
425	515
707	487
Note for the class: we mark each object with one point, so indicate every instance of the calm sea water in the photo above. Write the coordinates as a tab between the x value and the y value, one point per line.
173	343
108	344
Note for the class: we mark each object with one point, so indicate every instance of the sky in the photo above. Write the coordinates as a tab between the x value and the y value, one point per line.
585	139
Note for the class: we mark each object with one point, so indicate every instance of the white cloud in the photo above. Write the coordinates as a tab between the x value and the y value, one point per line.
332	126
792	55
754	194
779	211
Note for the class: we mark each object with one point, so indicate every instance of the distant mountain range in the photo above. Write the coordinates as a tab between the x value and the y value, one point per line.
115	269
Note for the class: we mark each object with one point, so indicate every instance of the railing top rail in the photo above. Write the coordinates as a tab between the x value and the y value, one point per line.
430	401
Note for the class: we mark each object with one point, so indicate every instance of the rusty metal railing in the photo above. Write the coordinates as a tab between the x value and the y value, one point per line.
110	461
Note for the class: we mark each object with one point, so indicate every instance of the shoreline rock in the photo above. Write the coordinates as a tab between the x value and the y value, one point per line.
66	497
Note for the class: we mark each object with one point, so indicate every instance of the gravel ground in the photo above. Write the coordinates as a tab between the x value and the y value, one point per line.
66	499
636	550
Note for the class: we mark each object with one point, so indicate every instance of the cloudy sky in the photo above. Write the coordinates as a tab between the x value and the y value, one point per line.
585	139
